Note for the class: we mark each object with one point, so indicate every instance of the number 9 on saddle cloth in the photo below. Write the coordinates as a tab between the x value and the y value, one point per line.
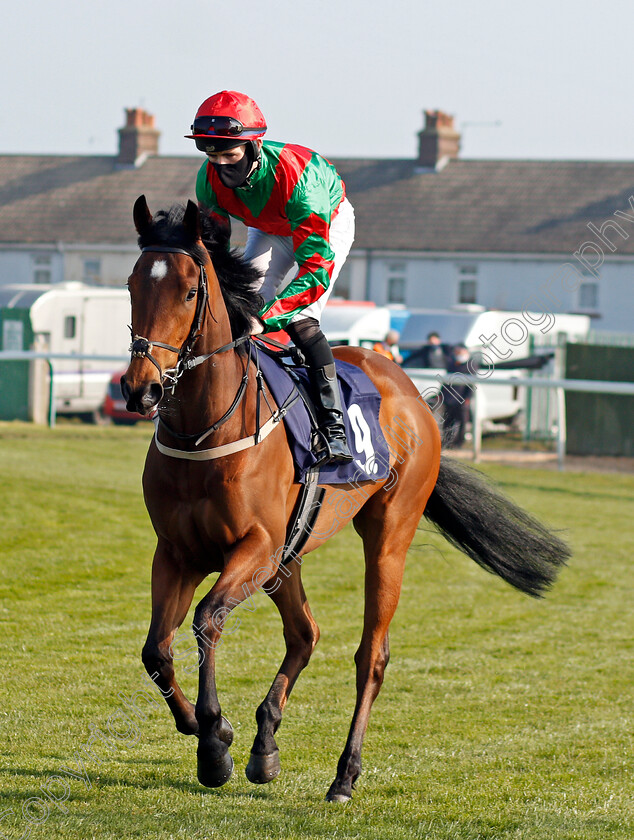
362	403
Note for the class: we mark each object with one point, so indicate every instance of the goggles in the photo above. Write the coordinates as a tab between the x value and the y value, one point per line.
224	127
218	126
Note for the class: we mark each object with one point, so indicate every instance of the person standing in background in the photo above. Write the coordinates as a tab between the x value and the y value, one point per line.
456	398
389	347
436	354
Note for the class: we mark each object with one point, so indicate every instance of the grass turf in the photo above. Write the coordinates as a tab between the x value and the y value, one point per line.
500	716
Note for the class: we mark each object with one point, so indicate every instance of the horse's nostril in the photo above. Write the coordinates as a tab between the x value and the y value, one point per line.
143	399
125	389
153	395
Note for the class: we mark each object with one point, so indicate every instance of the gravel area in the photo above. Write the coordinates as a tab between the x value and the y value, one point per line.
548	460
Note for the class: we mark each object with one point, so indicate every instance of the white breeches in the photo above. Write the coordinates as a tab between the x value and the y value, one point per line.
273	256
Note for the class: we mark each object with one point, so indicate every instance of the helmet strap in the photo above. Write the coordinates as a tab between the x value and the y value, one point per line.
255	154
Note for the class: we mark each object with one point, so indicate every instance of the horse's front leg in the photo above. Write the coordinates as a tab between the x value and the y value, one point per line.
301	634
172	592
238	581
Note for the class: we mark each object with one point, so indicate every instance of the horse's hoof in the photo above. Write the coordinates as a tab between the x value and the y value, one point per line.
337	797
225	731
337	793
214	774
263	768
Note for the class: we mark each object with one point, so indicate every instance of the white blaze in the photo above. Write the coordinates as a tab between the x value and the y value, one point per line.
159	270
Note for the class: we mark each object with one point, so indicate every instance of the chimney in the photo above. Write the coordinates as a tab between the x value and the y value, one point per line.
138	138
438	142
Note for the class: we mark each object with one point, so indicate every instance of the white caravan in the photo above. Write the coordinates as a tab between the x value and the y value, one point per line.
72	318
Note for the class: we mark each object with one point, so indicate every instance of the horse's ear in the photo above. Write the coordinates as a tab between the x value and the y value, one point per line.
191	220
141	214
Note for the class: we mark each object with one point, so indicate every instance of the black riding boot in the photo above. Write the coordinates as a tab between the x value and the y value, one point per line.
331	446
330	414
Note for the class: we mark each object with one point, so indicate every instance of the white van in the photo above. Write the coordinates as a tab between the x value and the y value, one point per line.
499	335
495	338
354	323
76	319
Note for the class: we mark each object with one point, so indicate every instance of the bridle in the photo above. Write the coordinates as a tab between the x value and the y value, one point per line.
141	348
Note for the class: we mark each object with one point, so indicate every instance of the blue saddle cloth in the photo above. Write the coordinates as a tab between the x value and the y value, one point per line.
365	437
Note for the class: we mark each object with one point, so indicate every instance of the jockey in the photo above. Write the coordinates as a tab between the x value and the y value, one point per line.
294	205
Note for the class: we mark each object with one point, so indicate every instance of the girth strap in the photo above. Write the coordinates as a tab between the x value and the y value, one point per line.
304	517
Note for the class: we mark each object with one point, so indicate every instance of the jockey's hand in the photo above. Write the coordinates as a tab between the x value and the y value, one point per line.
256	327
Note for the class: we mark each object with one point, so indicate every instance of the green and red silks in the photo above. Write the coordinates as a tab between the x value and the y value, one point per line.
295	193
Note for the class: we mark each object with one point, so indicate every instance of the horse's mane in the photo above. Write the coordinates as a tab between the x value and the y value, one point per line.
236	276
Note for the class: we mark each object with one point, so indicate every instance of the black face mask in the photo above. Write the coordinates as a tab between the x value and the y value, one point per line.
234	175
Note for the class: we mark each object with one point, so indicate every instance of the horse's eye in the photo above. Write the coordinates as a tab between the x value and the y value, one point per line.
191	294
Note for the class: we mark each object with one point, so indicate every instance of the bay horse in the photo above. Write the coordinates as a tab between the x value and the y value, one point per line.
192	304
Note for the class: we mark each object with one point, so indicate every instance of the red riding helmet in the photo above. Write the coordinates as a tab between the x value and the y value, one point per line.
228	116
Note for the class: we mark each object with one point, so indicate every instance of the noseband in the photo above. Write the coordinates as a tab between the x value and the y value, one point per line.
141	347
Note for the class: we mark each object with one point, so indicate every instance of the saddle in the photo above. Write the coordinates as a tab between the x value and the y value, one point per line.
286	377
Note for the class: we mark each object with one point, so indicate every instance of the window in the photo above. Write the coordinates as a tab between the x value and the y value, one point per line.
12	335
396	283
589	296
70	326
92	272
396	290
467	284
42	269
468	291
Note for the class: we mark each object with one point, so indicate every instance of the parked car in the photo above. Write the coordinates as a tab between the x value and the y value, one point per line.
114	404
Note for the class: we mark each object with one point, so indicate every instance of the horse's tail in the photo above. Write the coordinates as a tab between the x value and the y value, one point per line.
493	531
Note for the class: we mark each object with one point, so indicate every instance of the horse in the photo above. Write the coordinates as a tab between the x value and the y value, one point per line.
192	365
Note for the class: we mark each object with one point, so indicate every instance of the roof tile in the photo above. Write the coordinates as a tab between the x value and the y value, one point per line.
471	205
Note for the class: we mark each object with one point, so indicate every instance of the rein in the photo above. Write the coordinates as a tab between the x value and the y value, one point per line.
141	348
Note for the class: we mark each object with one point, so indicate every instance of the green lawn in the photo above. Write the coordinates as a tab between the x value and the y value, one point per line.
500	716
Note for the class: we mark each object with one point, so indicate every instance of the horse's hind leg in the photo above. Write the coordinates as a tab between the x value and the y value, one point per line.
385	545
172	594
301	635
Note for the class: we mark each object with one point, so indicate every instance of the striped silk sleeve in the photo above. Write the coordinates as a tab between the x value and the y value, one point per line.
309	214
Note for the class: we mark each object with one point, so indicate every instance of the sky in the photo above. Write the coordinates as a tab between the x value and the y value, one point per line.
547	79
